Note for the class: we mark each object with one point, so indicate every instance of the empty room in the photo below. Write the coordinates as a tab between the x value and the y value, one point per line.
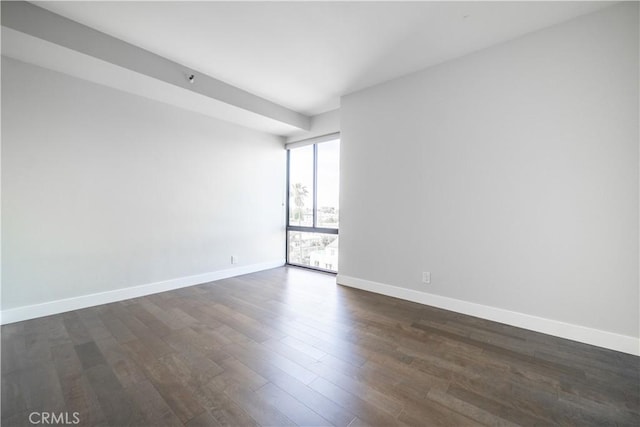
307	213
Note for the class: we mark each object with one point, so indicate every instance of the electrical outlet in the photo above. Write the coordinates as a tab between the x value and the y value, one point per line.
234	259
426	277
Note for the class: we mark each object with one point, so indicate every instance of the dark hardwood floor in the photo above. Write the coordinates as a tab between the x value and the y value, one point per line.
289	347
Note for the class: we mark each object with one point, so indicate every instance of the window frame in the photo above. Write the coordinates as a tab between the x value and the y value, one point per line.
304	228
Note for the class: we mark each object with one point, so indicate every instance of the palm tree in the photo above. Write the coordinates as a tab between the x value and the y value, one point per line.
300	193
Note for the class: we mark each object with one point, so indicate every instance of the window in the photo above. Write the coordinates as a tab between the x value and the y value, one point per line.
313	205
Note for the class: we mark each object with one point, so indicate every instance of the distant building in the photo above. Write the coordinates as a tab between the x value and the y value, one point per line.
326	258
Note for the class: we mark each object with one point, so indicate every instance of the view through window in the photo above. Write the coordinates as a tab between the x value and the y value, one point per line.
313	217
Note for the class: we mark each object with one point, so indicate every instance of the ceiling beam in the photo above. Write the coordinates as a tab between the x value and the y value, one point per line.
42	24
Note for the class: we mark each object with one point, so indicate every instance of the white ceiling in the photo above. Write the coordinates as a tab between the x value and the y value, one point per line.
305	55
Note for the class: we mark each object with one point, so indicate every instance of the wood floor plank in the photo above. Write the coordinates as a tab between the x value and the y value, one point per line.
259	408
257	325
90	355
363	409
469	410
80	398
239	373
117	328
116	405
285	350
290	406
330	410
415	414
55	330
248	329
222	408
36	345
179	398
250	352
93	323
149	346
138	328
14	398
125	369
500	410
192	368
204	420
168	316
77	391
75	328
13	348
151	321
42	386
376	392
152	406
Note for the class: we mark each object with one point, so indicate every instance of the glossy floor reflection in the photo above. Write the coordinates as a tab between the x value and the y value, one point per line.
290	347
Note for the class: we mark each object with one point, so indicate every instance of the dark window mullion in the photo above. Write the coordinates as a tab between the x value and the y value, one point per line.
315	185
313	229
286	239
288	186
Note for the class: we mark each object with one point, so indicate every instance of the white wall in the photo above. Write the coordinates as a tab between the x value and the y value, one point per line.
510	174
103	190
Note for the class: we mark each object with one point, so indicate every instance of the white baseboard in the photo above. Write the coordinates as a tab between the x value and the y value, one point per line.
27	312
610	340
